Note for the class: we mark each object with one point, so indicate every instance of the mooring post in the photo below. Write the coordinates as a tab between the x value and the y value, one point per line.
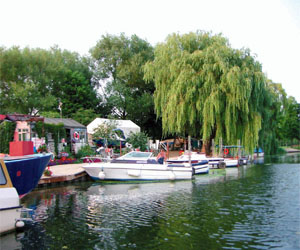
239	149
221	147
189	144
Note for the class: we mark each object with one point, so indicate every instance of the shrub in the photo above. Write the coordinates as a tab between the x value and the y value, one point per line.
85	151
138	140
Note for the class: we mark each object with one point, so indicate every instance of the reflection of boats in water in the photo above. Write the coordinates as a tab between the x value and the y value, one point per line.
221	175
137	189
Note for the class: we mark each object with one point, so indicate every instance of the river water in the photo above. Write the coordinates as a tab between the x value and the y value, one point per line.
250	207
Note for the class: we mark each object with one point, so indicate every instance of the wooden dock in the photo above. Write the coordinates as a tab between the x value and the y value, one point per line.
64	174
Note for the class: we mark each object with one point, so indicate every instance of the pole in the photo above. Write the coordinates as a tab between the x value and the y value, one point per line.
167	150
239	149
120	148
189	145
221	147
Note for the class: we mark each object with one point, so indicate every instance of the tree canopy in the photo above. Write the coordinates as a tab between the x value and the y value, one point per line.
118	62
36	80
207	89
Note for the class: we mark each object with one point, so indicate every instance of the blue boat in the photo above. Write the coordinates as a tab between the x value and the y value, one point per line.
26	171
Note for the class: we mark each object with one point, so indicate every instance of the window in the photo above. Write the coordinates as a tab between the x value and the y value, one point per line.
2	176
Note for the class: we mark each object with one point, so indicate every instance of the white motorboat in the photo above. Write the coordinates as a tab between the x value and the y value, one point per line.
138	166
10	209
201	157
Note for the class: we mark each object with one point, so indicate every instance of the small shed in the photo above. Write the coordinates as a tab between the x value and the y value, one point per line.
76	133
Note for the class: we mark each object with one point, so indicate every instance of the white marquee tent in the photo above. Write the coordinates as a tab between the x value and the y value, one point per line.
126	126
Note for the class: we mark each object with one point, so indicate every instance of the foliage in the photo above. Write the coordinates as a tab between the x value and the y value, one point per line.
24	76
291	122
104	131
207	89
85	151
36	80
50	114
119	62
42	148
84	116
48	172
7	130
138	140
58	131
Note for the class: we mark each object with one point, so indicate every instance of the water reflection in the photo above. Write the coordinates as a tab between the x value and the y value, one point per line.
246	207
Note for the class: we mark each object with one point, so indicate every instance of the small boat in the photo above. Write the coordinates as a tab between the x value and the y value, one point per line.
201	158
10	208
26	171
138	166
200	166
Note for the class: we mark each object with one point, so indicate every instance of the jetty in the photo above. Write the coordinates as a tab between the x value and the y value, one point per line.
64	174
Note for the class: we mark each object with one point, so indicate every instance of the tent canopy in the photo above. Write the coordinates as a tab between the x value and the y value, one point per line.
126	126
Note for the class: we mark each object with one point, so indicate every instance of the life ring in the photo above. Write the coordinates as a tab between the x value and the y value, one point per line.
76	135
226	151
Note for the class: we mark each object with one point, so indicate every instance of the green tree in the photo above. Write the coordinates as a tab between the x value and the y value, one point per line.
84	116
36	80
291	122
207	89
272	117
119	62
105	131
138	140
72	82
24	83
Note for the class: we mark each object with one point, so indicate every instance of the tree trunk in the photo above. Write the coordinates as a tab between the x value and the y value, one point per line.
208	143
207	146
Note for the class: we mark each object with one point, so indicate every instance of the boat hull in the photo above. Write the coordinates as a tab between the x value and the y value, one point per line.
201	169
230	163
25	172
137	172
10	209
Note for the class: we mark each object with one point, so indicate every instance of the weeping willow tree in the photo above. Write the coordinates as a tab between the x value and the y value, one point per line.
206	89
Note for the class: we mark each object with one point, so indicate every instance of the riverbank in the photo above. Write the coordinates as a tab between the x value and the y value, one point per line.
291	150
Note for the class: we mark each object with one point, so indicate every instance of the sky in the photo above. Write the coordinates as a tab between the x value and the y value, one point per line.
269	28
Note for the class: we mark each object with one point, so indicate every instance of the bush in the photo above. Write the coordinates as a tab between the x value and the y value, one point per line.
85	151
138	140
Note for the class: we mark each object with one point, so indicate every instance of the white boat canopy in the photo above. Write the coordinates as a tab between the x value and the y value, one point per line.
126	126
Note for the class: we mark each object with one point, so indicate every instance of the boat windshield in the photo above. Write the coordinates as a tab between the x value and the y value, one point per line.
136	154
2	176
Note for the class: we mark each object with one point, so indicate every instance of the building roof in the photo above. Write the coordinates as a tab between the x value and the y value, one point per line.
21	117
68	123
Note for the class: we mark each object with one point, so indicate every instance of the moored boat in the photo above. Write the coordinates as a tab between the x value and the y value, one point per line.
138	166
201	158
10	208
26	171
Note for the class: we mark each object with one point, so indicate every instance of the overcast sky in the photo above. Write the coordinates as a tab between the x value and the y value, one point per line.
269	28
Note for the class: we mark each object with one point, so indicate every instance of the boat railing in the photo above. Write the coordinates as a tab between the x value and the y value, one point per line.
95	159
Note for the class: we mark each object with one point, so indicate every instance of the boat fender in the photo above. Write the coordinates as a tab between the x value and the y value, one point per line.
172	176
134	173
20	224
101	175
